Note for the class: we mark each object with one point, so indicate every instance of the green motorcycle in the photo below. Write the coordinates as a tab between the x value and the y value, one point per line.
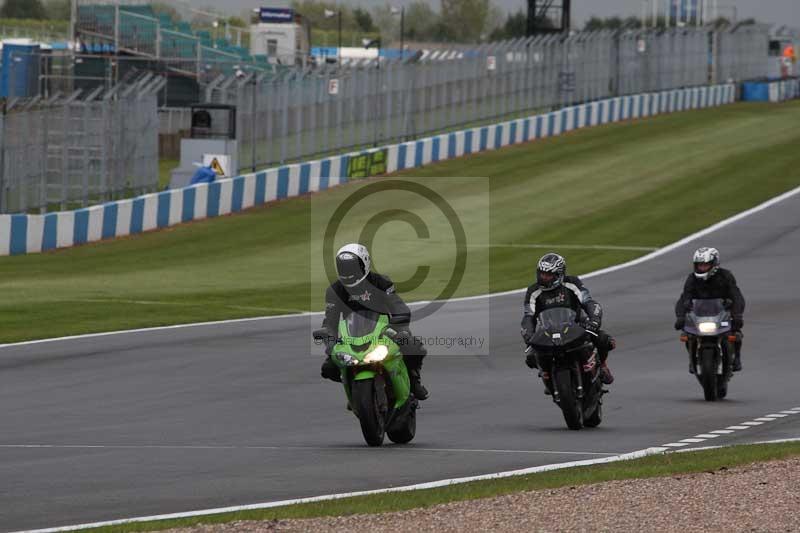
375	377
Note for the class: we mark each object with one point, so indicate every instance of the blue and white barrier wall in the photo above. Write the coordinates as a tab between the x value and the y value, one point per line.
25	234
771	91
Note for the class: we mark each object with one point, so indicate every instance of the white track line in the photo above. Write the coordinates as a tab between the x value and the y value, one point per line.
422	486
658	253
610	247
727	431
641	453
359	449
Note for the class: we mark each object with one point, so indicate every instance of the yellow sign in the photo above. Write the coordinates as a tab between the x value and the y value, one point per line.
218	163
367	165
217	167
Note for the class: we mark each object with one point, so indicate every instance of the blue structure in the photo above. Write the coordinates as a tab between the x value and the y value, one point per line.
20	70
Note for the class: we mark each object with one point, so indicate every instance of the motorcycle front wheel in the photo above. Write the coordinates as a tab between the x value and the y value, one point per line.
568	401
366	405
708	374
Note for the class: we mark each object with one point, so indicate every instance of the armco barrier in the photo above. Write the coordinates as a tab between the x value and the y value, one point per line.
23	234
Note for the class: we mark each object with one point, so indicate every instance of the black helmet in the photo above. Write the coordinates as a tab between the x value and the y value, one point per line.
706	263
352	264
550	271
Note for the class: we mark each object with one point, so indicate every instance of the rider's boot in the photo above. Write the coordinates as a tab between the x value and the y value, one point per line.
737	358
605	374
417	388
737	361
548	383
605	343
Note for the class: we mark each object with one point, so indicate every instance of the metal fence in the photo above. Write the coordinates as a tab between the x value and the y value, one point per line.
309	112
75	150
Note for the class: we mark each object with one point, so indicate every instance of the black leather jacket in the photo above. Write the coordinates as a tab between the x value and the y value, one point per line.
720	285
572	293
376	293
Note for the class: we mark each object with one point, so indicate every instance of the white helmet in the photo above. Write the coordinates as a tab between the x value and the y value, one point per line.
706	263
352	264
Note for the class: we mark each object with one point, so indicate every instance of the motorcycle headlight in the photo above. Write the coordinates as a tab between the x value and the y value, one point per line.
346	359
707	327
377	355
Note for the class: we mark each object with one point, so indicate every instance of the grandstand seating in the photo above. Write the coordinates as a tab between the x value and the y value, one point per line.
141	27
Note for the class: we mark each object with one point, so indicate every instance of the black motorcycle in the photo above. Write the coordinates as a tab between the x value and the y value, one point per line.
710	342
569	367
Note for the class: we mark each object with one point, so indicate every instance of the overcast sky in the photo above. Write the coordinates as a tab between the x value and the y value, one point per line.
772	11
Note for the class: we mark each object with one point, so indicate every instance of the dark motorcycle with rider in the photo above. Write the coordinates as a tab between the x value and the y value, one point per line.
561	327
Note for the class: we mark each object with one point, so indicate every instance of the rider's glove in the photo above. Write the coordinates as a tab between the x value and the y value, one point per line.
592	326
680	322
527	336
738	323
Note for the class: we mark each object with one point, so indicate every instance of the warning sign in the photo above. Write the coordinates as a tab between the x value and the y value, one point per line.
491	63
218	163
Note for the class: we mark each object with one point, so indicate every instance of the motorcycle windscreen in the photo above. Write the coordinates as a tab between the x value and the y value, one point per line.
557	319
362	323
708	308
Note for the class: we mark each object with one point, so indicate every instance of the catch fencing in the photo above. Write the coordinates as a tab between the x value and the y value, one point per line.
316	111
70	151
25	234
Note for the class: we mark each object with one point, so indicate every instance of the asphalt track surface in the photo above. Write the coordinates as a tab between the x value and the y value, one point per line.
203	417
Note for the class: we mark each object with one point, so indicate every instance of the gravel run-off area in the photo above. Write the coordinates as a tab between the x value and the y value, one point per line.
758	497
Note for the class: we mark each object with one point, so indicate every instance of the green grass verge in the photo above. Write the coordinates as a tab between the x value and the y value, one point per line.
645	184
165	168
649	467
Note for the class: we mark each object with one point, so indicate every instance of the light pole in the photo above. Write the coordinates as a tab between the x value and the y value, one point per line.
330	14
402	12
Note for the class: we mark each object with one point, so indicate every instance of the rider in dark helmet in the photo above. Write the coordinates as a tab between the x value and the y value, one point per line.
553	288
709	280
359	288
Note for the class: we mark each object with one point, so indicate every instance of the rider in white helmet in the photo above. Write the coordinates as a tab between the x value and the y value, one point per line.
357	288
709	280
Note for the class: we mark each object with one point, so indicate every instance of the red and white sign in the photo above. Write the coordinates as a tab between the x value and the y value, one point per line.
333	86
491	63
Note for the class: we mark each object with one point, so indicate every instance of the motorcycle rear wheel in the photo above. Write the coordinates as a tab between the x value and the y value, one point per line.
366	405
568	401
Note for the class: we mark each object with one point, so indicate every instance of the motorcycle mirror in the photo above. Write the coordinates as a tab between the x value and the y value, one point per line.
320	334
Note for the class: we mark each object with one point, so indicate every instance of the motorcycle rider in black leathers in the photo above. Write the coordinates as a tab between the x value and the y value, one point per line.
709	281
553	288
359	288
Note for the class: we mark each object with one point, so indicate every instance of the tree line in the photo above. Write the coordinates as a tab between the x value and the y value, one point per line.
464	21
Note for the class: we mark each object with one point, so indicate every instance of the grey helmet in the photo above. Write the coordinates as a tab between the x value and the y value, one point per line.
550	271
352	264
706	263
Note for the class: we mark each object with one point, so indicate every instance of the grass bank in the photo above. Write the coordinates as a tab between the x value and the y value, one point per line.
639	185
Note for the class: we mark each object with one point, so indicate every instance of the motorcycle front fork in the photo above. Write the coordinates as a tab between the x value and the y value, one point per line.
553	387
